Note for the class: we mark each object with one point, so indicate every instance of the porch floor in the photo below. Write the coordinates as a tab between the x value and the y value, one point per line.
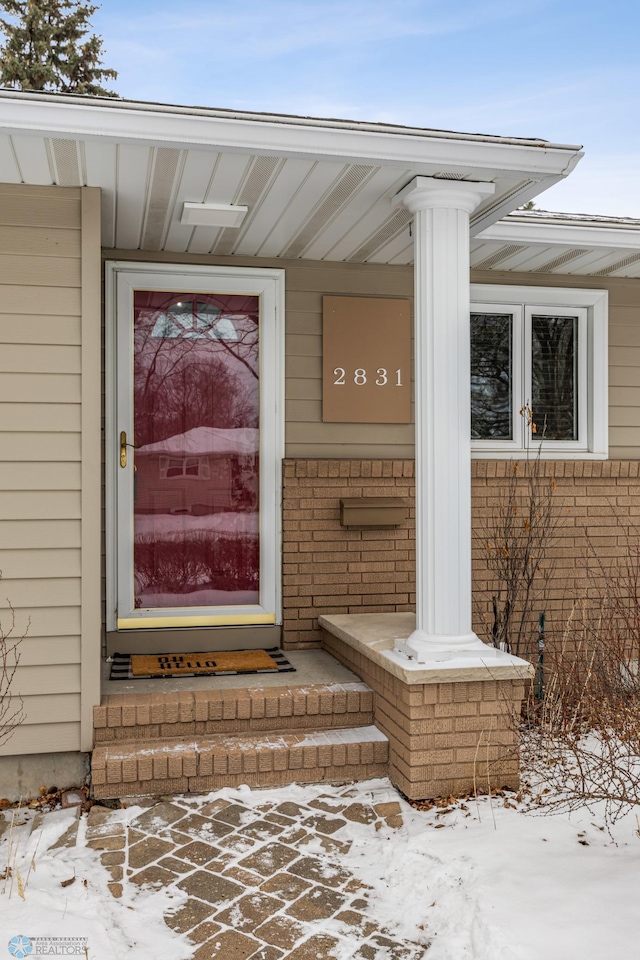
312	667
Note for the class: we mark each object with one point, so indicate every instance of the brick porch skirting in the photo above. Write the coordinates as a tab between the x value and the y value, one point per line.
450	729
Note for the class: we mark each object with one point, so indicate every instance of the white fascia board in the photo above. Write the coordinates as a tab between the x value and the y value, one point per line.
563	235
506	203
117	122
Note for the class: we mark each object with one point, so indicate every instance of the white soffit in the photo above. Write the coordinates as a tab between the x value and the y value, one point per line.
560	243
313	189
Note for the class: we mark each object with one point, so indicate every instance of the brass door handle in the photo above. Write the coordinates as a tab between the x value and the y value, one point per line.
123	449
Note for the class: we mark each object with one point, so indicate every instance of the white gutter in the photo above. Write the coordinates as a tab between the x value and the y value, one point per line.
391	128
574	234
424	151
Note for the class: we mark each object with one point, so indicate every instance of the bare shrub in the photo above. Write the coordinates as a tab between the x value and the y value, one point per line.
11	704
582	740
515	541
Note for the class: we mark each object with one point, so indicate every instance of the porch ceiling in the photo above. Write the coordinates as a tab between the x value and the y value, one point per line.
556	243
316	189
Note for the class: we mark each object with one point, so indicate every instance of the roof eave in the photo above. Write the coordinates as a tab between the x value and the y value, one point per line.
425	151
549	234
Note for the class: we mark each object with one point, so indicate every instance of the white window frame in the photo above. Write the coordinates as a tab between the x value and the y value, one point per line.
122	278
591	308
204	472
515	311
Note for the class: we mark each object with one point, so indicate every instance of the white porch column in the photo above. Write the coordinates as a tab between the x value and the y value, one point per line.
441	210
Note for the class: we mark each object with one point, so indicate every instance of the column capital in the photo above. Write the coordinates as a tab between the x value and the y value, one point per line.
425	193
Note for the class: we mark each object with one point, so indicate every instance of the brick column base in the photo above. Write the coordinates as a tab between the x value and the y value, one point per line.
444	738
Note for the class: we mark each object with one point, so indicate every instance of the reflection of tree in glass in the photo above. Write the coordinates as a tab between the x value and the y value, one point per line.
554	388
491	379
183	565
195	364
196	399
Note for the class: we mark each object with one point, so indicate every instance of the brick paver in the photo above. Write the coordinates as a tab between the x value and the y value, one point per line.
262	883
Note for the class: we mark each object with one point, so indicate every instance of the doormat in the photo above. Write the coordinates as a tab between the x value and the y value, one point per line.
127	666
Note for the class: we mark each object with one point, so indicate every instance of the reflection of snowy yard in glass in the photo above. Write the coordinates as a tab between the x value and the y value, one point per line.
199	598
197	561
166	525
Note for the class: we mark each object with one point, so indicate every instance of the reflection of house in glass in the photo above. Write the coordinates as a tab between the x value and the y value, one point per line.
206	470
196	320
196	519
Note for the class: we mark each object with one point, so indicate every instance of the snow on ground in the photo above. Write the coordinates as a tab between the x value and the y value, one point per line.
480	880
84	908
533	887
492	881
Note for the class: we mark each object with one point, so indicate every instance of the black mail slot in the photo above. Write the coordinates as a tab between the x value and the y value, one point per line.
372	512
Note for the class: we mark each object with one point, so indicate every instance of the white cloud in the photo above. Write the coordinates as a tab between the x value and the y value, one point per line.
265	30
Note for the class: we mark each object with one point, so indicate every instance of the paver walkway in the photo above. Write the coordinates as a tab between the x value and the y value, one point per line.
263	880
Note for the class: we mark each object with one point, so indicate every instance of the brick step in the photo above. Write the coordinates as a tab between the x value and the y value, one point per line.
183	765
201	713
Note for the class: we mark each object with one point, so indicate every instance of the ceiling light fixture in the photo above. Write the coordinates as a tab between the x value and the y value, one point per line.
213	214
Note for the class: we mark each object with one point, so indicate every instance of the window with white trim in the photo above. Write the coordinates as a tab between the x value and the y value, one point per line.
176	468
538	371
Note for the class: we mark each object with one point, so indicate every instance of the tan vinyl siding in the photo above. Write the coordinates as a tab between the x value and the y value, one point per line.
624	349
39	330
54	734
41	497
45	388
40	651
91	465
38	242
38	534
306	282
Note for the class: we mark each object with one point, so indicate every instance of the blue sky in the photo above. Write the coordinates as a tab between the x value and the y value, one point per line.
564	70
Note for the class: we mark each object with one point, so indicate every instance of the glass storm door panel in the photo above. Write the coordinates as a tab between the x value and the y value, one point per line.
196	427
195	434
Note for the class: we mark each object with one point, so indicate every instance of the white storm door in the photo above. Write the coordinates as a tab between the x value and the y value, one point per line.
194	445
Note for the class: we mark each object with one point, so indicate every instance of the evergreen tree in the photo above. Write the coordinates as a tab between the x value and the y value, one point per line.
47	48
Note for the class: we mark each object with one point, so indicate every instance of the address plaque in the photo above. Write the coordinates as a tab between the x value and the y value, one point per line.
366	360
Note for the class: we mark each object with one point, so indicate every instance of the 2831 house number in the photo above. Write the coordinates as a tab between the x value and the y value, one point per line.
366	362
360	377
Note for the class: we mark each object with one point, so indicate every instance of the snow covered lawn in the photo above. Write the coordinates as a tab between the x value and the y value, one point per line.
474	881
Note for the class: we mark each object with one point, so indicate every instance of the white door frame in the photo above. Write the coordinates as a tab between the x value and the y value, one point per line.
121	279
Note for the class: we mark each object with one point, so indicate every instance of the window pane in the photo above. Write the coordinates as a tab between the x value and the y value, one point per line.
554	376
491	378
